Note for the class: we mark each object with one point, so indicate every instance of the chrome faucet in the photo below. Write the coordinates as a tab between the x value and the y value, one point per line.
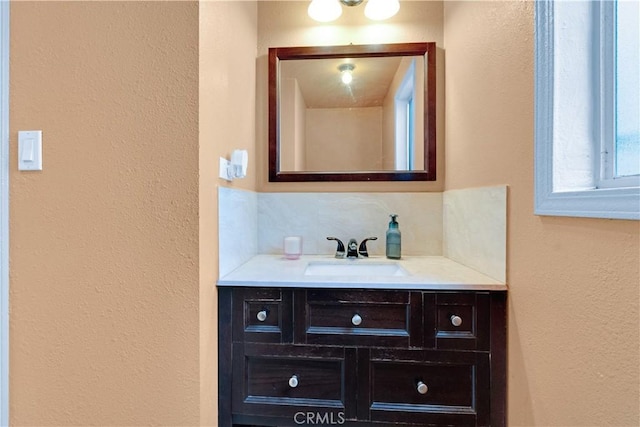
352	248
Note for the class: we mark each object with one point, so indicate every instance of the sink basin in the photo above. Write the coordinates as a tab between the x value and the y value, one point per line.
354	268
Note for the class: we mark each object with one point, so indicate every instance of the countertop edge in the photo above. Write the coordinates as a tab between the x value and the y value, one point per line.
366	286
425	273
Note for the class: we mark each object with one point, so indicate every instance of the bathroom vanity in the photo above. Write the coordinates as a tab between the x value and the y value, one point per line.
301	345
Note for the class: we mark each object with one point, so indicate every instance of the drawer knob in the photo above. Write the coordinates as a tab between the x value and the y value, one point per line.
293	381
422	388
262	315
356	320
456	320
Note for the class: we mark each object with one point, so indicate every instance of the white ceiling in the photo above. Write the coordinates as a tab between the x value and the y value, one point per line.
321	86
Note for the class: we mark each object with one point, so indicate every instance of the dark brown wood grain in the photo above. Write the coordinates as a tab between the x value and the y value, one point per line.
262	372
498	359
457	383
277	54
368	381
385	317
224	356
473	308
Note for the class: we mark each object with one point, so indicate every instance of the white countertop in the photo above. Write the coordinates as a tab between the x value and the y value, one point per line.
424	273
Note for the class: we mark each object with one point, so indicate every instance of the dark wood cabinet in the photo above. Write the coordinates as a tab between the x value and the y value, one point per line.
295	356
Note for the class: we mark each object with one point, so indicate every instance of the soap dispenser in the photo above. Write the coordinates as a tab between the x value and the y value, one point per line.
393	239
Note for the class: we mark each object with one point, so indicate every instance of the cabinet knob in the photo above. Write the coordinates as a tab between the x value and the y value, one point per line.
356	319
293	381
456	320
262	315
422	388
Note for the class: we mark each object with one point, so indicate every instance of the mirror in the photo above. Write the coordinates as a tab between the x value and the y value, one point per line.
377	125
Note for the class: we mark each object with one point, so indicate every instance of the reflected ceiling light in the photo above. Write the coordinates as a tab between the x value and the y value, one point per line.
330	10
347	73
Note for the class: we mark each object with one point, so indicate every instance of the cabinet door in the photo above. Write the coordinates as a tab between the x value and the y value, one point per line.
284	380
262	315
462	320
427	387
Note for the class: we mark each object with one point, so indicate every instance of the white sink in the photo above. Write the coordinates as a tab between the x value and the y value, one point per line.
354	268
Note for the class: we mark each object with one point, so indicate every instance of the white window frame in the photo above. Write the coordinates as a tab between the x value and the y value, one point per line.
593	201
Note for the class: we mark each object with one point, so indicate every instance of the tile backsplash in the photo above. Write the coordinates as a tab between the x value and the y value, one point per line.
237	228
475	229
314	216
469	226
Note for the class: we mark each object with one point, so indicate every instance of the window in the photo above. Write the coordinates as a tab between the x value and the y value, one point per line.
627	90
587	123
620	80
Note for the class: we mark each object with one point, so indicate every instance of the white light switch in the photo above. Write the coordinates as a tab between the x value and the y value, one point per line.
30	150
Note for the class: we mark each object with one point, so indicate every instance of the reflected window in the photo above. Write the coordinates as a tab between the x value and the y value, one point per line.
405	119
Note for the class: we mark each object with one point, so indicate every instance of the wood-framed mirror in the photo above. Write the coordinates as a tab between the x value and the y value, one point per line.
379	124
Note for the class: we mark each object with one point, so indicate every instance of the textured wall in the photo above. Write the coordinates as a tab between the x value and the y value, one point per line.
104	241
228	34
573	283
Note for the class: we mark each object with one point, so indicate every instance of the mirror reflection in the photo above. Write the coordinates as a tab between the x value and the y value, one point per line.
352	113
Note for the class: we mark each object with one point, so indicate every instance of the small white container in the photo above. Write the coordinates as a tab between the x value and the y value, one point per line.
292	247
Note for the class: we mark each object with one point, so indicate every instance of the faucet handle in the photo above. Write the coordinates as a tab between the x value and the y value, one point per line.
340	249
363	246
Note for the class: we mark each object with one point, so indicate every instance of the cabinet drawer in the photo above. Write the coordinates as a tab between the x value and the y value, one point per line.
262	315
371	318
283	380
425	387
462	321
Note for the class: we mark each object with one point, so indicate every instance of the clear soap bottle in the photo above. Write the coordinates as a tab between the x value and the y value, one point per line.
394	239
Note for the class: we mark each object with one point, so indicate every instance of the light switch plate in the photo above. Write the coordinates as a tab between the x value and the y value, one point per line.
30	150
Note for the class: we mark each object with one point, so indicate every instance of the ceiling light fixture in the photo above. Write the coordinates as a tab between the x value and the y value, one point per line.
324	10
346	71
330	10
379	10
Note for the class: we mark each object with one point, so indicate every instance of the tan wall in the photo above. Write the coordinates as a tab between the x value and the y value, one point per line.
343	139
288	143
112	302
228	33
104	241
292	125
299	125
285	23
228	82
573	283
